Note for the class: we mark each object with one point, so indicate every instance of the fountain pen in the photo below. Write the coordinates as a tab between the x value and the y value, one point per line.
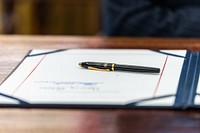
118	67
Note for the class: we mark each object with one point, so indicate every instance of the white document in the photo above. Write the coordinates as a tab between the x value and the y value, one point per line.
56	78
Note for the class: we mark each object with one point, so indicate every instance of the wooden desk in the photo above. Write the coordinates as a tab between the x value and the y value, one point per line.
16	120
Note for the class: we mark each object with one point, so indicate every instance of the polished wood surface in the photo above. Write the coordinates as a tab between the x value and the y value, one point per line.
17	120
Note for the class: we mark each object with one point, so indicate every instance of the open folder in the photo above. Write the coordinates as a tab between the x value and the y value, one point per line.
53	78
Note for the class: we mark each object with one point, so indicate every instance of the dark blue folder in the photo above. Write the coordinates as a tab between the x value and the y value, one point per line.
184	98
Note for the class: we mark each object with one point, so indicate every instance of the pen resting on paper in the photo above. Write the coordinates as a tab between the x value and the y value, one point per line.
118	67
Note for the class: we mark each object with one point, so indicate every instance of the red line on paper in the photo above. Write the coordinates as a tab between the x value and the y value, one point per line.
28	75
155	91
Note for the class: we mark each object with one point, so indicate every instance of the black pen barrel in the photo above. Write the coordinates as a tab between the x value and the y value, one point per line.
140	69
118	67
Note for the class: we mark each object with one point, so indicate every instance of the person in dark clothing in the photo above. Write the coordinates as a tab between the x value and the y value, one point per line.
167	18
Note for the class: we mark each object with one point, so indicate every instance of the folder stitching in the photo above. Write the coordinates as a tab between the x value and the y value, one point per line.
159	80
28	76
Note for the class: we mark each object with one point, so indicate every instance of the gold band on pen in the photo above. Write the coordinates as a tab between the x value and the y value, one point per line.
93	68
113	67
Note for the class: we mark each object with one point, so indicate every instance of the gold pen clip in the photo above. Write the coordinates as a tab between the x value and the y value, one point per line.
97	69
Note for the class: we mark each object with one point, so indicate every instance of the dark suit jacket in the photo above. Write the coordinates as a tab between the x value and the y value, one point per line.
169	18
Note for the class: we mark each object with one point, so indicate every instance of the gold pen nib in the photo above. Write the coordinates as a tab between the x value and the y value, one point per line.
80	64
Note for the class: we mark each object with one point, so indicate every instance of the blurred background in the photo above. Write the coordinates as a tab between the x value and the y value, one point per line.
51	17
